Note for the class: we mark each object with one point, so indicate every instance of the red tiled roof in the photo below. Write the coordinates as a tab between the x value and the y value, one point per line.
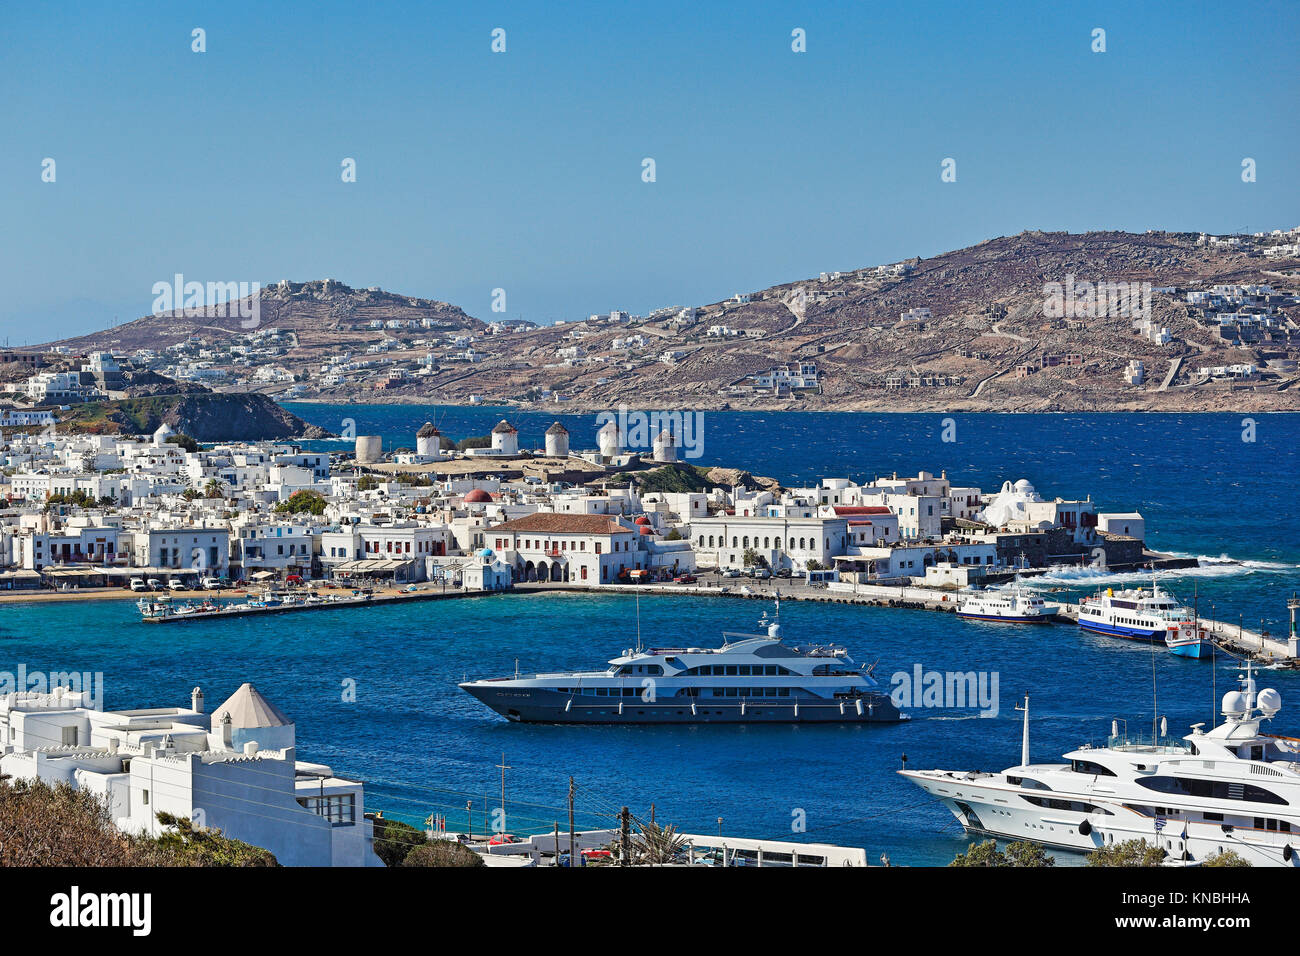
843	510
551	523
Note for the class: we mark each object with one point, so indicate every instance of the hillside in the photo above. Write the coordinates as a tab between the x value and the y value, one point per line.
989	341
203	416
322	315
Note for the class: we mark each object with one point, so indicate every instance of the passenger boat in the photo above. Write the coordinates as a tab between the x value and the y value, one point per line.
1013	605
1142	614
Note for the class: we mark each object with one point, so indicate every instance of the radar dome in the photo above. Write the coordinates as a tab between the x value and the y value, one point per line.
1270	701
1234	703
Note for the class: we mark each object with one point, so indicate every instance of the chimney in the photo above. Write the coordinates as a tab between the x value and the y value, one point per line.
196	700
225	729
250	748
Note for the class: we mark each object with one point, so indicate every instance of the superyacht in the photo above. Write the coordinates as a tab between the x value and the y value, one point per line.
1230	788
751	678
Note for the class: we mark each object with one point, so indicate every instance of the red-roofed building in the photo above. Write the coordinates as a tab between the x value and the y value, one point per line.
547	546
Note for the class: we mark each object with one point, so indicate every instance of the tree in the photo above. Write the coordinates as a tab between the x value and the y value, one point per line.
656	844
1127	853
1024	853
1224	858
442	853
1020	853
310	502
394	840
814	565
185	441
367	483
185	845
215	488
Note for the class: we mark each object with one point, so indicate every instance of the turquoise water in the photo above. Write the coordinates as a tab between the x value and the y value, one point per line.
424	746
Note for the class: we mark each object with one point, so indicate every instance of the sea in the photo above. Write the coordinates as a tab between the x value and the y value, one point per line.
373	690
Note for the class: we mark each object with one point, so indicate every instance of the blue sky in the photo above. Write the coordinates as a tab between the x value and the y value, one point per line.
522	170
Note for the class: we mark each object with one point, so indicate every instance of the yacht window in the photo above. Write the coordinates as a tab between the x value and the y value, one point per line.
744	670
731	670
1217	790
1087	766
783	692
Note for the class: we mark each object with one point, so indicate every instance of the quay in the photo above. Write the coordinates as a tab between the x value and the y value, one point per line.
1233	639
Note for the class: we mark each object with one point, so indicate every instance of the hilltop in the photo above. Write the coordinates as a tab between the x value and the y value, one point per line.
965	330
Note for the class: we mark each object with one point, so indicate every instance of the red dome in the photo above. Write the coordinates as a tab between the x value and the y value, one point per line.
647	530
642	520
477	496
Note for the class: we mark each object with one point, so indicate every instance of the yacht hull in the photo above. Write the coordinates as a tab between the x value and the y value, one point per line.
1007	618
534	705
1004	813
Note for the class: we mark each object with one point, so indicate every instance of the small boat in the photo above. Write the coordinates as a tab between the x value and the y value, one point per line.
1190	639
1014	605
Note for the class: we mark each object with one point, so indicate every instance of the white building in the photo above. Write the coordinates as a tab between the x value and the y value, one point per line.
235	771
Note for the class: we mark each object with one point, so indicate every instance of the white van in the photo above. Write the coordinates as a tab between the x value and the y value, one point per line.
213	584
137	584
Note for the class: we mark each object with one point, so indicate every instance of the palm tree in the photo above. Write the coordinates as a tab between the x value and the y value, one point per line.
214	489
656	844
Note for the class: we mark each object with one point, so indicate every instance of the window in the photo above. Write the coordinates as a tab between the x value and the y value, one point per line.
339	810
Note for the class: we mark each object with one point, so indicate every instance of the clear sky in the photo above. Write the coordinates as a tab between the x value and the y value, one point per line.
523	170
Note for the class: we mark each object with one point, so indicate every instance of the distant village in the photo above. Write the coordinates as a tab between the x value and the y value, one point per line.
161	512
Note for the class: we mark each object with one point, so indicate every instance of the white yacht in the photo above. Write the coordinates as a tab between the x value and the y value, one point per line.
1013	604
751	678
1230	788
1142	614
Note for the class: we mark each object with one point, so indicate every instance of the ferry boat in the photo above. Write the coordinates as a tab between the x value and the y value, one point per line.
751	678
1231	788
1141	614
1015	605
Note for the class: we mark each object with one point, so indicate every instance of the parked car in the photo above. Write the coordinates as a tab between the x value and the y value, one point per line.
783	573
155	584
684	579
731	573
137	584
213	584
762	574
175	584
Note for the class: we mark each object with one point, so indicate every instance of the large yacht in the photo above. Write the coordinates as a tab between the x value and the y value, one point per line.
751	678
1014	605
1230	788
1142	614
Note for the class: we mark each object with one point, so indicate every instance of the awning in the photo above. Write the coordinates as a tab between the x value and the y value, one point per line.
372	566
262	575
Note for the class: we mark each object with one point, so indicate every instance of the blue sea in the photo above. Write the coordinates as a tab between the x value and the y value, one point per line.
425	747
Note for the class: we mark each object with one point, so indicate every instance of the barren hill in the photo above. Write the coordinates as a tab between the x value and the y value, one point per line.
972	329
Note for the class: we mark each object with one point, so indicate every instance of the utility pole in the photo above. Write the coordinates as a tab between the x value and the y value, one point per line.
469	818
557	843
625	856
573	860
503	767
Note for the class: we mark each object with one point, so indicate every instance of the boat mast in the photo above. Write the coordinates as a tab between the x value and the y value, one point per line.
1024	739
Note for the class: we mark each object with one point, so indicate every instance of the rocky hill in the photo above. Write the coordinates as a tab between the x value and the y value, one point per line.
972	329
204	416
323	314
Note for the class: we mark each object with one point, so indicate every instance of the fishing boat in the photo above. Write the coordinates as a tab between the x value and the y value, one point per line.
1190	639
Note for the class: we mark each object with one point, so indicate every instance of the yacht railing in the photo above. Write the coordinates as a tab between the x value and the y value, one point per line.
1156	744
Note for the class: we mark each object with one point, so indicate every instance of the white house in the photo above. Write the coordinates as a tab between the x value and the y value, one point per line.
235	771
